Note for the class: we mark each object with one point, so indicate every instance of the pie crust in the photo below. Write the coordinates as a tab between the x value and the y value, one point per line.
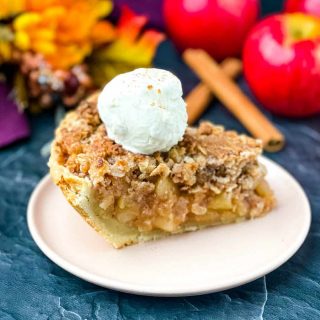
211	177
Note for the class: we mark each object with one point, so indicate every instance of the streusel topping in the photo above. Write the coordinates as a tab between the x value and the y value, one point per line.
206	155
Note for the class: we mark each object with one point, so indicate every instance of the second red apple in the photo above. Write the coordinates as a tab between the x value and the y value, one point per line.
305	6
217	26
281	61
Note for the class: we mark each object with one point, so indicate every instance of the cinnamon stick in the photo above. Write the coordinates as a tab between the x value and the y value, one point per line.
199	98
234	99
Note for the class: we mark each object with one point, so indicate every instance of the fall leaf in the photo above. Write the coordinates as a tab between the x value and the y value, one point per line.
132	48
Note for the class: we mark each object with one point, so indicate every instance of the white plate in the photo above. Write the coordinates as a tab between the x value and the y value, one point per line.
199	262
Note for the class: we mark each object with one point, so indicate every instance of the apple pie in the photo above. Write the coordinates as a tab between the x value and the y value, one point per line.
209	178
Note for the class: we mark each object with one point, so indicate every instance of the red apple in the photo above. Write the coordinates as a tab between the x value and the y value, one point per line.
281	60
218	26
306	6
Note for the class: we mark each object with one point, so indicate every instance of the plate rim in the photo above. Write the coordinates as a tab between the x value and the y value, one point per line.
150	291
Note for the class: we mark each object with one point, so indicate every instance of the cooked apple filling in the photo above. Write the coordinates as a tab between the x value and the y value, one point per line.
167	208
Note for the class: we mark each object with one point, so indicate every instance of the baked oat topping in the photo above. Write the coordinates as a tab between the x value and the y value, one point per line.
86	150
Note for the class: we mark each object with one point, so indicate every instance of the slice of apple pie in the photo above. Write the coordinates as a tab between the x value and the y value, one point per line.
211	177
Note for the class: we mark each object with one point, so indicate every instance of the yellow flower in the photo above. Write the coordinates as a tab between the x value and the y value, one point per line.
10	8
63	31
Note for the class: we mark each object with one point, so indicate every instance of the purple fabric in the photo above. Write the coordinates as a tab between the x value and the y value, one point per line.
13	124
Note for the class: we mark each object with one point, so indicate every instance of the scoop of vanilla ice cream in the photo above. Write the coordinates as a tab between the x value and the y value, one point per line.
143	110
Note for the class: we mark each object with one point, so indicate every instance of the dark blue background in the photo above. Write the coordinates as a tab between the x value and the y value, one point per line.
271	6
32	287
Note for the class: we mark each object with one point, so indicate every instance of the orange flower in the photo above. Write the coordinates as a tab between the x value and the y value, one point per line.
10	8
63	31
42	5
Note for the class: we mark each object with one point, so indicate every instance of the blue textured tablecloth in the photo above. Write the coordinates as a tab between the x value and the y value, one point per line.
32	287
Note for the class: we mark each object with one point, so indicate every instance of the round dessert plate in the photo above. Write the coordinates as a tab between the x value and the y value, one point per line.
209	260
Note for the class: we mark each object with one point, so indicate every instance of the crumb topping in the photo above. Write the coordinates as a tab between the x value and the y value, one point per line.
207	154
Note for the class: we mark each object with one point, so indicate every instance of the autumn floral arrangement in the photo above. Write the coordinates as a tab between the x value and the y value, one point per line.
55	52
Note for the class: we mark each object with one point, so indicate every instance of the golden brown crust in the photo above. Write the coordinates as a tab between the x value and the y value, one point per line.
207	162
